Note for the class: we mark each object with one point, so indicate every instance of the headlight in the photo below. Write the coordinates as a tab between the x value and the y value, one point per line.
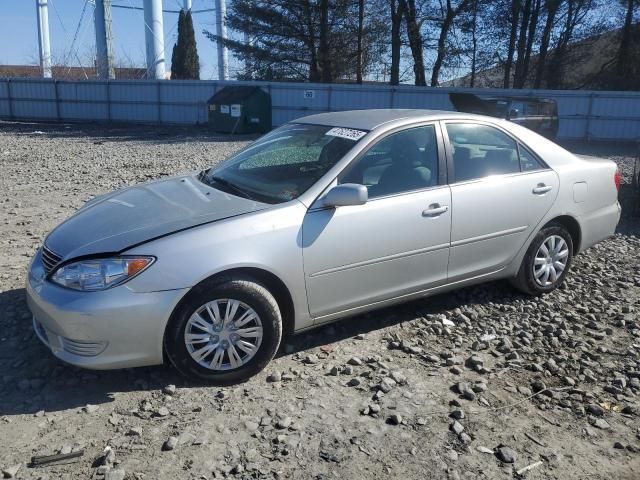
100	273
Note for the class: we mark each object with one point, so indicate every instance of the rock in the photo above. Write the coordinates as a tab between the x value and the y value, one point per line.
482	449
448	323
355	361
11	472
334	371
311	359
275	377
474	362
162	412
398	377
601	423
457	414
354	382
284	422
169	390
595	410
387	384
237	469
108	456
456	427
506	454
618	446
395	419
465	390
538	386
170	444
135	432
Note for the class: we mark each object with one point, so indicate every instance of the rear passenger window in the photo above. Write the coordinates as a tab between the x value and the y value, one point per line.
528	161
480	151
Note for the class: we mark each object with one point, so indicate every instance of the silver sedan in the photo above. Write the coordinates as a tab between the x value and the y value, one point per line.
323	218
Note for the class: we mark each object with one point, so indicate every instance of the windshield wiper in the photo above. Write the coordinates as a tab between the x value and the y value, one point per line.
230	185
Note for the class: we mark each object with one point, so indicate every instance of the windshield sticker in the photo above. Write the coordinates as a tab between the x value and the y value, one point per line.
348	133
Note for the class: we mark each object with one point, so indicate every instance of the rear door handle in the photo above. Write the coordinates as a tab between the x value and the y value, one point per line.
434	210
541	189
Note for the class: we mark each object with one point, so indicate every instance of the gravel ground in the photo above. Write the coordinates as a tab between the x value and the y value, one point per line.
482	383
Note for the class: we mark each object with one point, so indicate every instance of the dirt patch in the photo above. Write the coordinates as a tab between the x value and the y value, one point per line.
479	383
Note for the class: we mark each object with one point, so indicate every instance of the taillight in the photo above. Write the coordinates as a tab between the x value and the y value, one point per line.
617	178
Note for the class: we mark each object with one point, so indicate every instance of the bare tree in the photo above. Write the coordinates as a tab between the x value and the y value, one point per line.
450	12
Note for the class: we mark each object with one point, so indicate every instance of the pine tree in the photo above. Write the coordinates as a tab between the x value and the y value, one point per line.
177	56
185	64
190	60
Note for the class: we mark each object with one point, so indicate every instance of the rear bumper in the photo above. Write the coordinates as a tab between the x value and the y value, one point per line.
114	328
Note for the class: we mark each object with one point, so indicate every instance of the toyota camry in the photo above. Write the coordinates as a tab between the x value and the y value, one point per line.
323	218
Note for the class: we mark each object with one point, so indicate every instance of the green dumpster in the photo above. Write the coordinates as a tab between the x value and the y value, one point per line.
240	110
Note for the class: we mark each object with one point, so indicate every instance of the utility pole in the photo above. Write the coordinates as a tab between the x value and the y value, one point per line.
187	5
44	43
221	30
104	40
154	36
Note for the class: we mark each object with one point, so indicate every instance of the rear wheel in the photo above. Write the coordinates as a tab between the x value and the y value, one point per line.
546	262
224	333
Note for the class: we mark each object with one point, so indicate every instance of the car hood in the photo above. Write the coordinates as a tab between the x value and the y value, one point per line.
119	220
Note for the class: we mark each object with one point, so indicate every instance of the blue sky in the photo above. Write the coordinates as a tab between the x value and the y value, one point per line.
19	37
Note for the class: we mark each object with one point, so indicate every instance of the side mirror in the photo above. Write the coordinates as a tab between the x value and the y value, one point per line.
345	195
513	113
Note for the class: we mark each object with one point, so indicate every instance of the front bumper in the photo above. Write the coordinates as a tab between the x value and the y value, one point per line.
113	328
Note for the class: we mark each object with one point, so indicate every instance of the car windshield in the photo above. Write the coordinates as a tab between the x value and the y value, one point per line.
283	164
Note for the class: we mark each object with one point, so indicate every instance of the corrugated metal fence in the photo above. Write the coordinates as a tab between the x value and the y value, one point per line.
583	114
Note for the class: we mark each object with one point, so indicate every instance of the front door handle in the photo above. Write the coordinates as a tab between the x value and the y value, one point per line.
435	210
541	189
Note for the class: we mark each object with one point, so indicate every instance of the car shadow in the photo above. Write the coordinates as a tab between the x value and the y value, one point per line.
33	380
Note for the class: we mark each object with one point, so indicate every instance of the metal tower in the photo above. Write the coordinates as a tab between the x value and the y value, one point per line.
221	30
42	7
154	36
104	40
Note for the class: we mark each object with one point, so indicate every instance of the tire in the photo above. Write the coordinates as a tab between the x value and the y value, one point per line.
244	293
526	280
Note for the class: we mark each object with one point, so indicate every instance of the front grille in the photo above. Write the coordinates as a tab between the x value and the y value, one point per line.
50	260
82	348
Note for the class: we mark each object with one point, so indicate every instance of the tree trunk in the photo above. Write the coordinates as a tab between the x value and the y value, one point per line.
515	17
518	80
552	9
533	26
324	54
397	12
625	41
555	74
474	43
360	56
415	41
314	65
442	46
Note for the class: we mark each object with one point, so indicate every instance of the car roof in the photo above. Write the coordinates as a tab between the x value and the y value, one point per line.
370	119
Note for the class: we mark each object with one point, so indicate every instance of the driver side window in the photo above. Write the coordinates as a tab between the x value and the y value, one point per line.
401	162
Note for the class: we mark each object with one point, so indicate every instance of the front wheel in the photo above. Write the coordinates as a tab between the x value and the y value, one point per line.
224	333
546	262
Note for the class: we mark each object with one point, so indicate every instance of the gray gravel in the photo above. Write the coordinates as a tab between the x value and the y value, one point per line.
479	383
